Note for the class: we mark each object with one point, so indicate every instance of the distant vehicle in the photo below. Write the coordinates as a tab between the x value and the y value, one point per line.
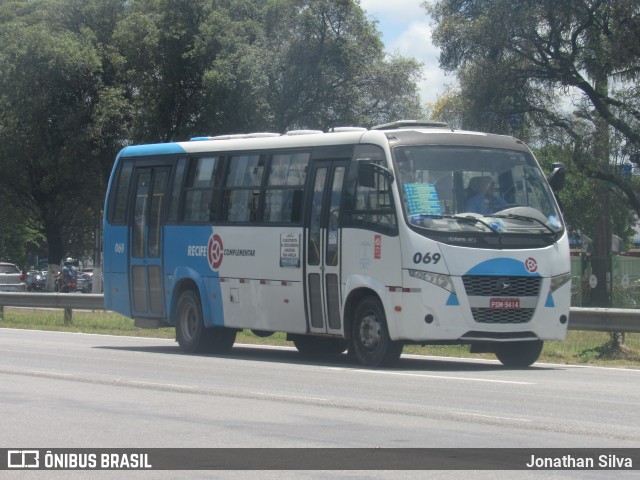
67	278
84	282
11	278
37	280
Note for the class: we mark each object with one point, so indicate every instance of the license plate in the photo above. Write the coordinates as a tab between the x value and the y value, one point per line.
504	303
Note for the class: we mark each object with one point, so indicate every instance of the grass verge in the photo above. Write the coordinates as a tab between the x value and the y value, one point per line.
580	347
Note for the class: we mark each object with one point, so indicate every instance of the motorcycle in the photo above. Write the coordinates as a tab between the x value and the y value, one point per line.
36	281
65	283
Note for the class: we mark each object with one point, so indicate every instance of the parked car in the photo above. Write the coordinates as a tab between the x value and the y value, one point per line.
84	283
11	278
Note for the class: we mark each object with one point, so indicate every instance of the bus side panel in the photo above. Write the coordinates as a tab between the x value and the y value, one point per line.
264	304
261	278
372	260
186	264
238	274
116	278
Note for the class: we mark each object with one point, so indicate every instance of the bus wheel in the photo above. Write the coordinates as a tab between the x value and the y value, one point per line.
310	345
190	332
519	354
370	340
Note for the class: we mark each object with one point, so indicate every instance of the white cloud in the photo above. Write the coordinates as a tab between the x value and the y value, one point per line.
415	41
394	11
406	30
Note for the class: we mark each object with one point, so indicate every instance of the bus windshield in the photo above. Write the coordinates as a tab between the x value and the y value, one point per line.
464	189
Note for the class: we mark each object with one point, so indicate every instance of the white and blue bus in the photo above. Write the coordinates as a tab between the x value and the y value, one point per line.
366	240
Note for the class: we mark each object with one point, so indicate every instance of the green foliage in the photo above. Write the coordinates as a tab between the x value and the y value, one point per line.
80	79
577	200
518	62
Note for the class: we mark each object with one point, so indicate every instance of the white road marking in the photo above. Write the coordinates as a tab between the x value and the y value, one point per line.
439	377
42	372
494	417
293	397
164	385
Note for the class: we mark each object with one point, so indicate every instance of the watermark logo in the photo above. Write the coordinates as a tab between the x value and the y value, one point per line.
23	459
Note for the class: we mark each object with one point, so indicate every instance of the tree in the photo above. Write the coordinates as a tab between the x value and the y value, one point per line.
80	79
579	208
327	67
516	58
202	67
52	144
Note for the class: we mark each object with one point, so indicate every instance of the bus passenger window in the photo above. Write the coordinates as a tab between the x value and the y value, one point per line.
242	205
283	197
242	194
203	181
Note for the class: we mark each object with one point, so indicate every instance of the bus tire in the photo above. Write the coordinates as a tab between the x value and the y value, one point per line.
370	341
519	354
191	333
310	345
221	339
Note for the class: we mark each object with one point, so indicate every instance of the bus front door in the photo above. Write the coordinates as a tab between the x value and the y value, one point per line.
147	298
323	247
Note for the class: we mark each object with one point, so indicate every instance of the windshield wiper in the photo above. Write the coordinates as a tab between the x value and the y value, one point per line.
464	219
526	218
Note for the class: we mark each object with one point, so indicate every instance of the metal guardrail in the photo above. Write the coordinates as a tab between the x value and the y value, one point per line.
85	301
605	319
595	319
68	301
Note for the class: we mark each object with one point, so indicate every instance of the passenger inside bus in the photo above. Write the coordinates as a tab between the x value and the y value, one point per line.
482	198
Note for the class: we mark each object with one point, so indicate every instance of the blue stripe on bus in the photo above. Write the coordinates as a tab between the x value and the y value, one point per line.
500	267
154	149
453	301
550	303
181	266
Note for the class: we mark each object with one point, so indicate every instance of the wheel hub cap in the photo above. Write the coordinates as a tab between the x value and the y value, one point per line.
370	331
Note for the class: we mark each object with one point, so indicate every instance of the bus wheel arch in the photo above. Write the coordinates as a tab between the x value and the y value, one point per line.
368	333
180	287
192	334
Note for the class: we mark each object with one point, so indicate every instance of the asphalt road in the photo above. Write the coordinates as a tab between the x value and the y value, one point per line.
65	390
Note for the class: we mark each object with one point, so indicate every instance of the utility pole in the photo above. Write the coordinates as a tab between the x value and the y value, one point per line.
601	258
97	256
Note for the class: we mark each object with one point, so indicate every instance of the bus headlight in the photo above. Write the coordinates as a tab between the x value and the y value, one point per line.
560	280
442	281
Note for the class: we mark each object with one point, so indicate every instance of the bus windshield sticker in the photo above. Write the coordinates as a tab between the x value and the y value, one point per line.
422	198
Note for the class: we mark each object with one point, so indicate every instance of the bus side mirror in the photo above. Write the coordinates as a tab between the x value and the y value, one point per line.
367	174
557	178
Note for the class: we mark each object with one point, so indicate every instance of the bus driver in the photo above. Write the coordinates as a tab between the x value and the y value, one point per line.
482	197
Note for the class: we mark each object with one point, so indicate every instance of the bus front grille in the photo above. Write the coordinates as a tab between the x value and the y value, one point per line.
490	315
500	287
497	286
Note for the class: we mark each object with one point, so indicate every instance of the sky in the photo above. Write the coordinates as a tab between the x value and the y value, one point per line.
406	30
